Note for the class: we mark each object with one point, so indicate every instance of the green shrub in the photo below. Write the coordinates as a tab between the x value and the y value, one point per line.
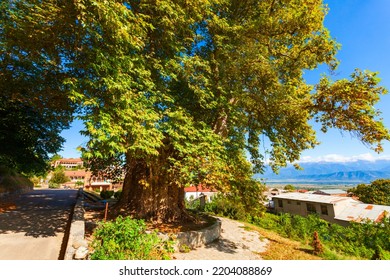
193	204
361	240
117	194
127	239
106	194
227	206
53	185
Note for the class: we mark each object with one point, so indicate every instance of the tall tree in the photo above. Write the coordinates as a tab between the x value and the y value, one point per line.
179	91
196	84
34	107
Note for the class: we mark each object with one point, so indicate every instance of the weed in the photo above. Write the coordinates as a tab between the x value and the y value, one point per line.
127	239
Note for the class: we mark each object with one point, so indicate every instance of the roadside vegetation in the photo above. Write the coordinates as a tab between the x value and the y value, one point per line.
13	182
58	178
128	239
358	241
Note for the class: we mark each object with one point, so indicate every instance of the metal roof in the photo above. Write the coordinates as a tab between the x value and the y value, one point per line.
359	212
332	191
315	198
350	210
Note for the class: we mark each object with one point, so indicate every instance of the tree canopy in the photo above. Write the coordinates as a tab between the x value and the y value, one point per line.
378	192
181	91
34	106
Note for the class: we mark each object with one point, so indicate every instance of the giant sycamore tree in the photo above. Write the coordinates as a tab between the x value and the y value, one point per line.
184	92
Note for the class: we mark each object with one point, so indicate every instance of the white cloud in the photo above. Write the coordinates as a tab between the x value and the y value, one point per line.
342	158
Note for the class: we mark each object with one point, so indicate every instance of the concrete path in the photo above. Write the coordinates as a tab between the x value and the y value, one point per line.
235	243
34	228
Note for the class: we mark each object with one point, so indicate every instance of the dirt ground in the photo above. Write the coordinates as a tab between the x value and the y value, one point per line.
236	242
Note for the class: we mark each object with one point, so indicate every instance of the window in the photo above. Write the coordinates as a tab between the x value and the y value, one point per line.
280	203
298	203
324	210
311	208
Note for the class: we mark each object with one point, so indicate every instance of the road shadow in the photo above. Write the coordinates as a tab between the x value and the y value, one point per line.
223	245
40	213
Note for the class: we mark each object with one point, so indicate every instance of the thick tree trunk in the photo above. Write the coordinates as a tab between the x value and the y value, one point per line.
149	194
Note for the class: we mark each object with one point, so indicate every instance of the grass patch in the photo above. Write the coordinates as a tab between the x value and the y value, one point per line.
281	248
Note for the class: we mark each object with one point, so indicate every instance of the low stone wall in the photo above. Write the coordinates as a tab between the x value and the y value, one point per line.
193	239
77	246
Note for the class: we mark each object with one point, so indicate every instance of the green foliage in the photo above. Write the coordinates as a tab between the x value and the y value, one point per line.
106	194
11	181
232	206
193	204
27	137
378	192
361	240
227	206
127	239
289	188
55	157
35	180
349	105
183	89
79	183
34	105
54	185
59	177
117	194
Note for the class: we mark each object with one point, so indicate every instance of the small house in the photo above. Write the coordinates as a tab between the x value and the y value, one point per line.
334	209
194	192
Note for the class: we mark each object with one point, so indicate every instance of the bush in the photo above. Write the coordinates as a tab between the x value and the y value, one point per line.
59	177
316	244
362	240
127	239
54	185
117	194
193	204
106	194
228	206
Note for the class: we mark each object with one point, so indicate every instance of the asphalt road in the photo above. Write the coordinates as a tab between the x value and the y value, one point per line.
35	228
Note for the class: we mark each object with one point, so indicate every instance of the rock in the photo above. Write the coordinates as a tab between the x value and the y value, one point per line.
81	253
80	243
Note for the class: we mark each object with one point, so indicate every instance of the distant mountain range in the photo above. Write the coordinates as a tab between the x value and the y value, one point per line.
360	171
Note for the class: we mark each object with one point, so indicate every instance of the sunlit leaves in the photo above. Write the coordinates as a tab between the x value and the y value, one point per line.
378	192
184	88
349	105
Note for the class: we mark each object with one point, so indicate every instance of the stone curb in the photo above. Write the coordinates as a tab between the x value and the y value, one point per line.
77	229
193	239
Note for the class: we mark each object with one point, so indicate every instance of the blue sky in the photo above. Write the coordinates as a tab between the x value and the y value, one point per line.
363	30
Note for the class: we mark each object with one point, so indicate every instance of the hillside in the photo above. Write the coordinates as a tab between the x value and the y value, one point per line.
12	182
347	172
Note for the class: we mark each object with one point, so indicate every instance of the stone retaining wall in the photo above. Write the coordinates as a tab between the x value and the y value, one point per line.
76	243
194	239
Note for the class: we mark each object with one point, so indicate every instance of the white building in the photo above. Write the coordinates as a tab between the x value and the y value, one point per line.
194	192
334	209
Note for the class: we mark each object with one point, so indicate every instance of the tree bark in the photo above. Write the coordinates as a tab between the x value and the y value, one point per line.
148	193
